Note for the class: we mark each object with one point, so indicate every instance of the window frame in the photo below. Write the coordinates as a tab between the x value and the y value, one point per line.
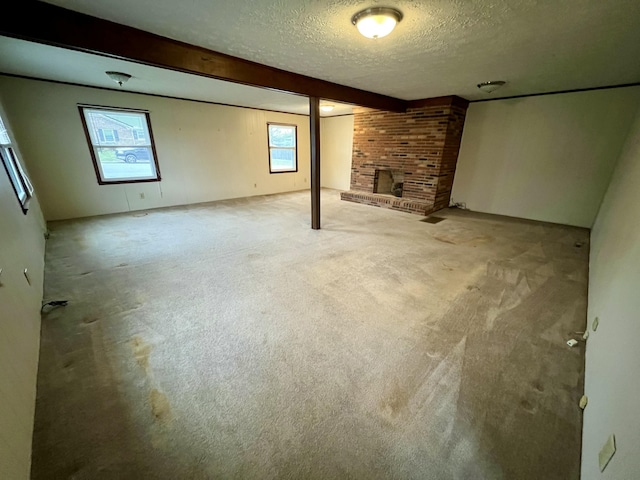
295	148
22	186
92	147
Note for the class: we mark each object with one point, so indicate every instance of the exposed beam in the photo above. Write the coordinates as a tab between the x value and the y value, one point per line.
45	23
314	121
438	101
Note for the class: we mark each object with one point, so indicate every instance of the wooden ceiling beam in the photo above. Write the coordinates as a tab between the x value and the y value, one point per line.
49	24
439	101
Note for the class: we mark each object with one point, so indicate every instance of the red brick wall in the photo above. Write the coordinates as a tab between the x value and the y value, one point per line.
423	143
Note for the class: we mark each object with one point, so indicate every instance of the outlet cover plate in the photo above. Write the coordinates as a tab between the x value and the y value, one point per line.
583	402
606	452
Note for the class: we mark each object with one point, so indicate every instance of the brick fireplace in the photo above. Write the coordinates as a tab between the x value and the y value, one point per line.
406	161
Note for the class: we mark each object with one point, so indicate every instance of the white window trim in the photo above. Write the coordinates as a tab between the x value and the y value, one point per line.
12	163
294	148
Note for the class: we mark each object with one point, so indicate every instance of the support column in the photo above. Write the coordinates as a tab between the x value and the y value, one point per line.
314	121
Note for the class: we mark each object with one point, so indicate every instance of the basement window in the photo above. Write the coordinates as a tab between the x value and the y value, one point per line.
19	179
121	144
283	153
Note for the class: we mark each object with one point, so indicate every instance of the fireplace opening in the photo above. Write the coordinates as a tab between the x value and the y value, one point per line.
388	182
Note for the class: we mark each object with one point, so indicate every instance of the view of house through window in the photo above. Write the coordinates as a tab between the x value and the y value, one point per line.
283	156
121	144
19	179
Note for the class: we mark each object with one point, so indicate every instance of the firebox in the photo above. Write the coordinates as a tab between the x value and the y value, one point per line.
388	182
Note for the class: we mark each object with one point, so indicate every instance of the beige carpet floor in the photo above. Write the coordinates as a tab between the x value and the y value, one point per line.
229	340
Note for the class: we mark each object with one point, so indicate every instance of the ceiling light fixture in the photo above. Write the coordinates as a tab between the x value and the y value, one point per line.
376	22
118	77
326	108
490	87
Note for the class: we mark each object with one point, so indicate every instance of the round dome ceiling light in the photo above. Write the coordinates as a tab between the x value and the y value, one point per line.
490	87
326	108
376	22
119	77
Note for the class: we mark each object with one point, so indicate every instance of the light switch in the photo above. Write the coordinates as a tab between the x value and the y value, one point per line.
607	451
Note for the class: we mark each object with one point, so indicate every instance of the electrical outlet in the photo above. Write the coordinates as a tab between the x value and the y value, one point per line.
141	196
583	402
594	325
606	452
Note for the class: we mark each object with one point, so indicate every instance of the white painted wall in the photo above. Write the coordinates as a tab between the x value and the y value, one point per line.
21	246
544	158
206	152
336	148
612	378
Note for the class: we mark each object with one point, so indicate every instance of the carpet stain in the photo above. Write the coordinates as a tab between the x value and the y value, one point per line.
160	407
396	402
89	319
101	359
445	239
481	239
457	240
158	440
528	406
538	387
81	241
141	352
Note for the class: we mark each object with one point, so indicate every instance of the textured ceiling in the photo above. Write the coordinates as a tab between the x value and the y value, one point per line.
442	47
24	58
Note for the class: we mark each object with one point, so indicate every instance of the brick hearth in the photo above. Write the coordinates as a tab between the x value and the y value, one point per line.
422	143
